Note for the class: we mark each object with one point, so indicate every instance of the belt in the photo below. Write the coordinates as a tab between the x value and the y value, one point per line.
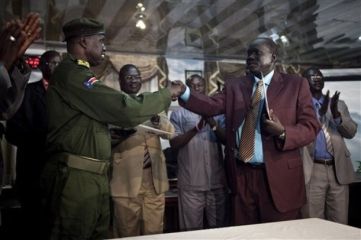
323	161
258	165
241	162
251	165
87	164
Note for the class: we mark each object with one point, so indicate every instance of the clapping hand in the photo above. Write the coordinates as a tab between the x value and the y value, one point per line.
10	42
323	109
31	28
333	105
16	37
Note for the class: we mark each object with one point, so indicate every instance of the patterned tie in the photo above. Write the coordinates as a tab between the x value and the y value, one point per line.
147	161
327	137
246	144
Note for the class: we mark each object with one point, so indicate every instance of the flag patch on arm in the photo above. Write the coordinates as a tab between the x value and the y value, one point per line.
89	83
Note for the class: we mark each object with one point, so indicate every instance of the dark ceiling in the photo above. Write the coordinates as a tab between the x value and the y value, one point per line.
322	32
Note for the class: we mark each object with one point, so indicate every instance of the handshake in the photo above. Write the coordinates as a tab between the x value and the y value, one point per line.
176	88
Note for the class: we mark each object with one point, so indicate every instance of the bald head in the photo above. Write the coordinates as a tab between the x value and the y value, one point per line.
261	56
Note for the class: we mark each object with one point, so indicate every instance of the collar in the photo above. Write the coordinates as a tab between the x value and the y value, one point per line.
266	79
319	101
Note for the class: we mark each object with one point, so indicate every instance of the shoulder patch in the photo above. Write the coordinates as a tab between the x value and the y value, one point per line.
89	82
83	63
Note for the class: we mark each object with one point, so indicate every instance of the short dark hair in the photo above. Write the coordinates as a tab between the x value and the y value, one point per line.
124	69
194	76
312	68
46	56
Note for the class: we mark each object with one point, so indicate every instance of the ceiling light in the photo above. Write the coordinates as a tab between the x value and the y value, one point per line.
141	24
284	40
359	38
274	36
140	16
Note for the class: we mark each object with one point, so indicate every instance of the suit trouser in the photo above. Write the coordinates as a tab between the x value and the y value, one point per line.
253	202
192	206
327	199
141	215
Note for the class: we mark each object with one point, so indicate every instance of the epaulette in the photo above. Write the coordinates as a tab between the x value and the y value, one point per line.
83	63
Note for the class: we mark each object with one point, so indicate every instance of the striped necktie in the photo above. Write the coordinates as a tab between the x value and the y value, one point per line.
147	160
327	136
246	143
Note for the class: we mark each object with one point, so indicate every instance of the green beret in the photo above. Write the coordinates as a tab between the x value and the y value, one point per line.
82	27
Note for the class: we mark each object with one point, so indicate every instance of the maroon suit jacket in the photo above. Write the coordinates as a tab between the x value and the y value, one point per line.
290	98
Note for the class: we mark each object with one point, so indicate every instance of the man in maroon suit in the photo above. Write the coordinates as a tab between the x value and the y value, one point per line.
266	176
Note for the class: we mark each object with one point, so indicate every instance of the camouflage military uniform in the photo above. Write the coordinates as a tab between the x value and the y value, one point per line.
75	179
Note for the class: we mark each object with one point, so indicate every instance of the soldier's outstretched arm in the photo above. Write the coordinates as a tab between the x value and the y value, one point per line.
107	105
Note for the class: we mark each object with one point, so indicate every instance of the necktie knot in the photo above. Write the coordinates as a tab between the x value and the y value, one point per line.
257	94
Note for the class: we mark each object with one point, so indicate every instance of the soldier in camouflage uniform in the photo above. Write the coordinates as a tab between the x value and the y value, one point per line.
80	108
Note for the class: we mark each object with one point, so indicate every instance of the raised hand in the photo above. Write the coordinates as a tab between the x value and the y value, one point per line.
10	42
16	37
322	111
333	105
31	28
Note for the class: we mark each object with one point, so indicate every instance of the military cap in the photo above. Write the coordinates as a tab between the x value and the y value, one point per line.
82	27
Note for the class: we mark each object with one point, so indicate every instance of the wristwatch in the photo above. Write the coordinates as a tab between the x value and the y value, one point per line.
282	136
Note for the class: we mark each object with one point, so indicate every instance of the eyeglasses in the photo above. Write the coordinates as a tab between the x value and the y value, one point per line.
315	77
132	77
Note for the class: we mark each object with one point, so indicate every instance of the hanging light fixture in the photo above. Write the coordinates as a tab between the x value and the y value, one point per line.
140	16
141	24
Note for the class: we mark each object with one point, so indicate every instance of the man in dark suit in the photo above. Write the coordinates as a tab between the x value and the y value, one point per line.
269	185
27	131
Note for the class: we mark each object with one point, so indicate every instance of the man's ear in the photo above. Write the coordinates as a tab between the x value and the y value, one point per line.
274	57
83	41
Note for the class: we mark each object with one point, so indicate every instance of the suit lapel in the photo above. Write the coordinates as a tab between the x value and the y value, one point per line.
274	88
247	87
